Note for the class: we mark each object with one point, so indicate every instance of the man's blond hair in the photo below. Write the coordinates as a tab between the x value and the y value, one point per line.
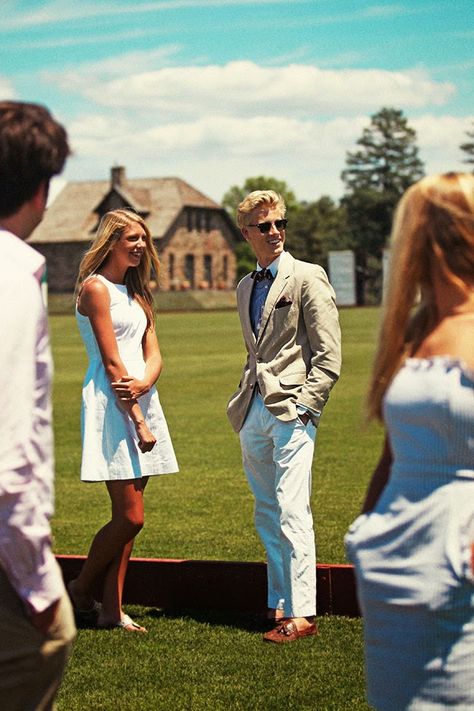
255	199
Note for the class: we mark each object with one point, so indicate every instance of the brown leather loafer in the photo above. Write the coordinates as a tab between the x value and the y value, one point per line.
288	632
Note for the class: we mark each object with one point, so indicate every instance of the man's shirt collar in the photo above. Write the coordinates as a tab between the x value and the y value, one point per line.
273	267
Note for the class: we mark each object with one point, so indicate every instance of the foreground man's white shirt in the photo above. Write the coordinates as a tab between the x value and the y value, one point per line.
26	446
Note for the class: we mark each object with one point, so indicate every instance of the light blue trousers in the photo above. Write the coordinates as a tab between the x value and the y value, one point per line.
277	458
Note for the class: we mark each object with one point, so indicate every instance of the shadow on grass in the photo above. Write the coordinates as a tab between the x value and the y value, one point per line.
248	622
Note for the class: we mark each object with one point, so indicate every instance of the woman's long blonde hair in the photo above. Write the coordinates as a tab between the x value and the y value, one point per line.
137	279
433	224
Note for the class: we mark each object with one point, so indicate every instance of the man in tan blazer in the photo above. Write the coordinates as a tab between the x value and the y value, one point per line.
291	331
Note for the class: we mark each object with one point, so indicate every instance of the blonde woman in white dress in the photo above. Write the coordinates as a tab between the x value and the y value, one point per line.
412	545
124	433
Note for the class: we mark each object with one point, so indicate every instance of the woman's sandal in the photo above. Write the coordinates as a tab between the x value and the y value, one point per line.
126	623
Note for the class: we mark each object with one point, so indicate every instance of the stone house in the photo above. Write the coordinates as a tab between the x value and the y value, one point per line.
194	235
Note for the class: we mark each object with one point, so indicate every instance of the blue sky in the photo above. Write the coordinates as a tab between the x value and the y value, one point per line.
215	91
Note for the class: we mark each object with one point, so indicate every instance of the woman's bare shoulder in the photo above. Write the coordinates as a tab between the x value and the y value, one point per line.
454	336
93	293
461	336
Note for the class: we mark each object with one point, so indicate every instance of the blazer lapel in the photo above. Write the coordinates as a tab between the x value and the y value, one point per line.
285	270
244	311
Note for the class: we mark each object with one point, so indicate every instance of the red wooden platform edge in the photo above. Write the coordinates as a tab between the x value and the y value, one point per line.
219	585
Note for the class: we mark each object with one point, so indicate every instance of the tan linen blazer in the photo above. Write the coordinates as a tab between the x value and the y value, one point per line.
297	355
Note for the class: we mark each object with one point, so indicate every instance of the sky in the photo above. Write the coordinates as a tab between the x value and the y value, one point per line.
216	91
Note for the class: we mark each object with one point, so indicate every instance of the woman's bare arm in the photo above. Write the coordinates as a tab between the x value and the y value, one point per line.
379	477
128	387
94	302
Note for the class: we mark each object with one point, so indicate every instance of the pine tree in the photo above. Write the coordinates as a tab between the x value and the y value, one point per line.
468	148
376	176
387	161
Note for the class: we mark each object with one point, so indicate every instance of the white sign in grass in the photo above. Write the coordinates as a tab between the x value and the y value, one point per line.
341	266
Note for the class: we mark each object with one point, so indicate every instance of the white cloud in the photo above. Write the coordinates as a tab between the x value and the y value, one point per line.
215	136
383	11
215	152
77	40
6	89
94	76
217	125
243	88
64	11
439	138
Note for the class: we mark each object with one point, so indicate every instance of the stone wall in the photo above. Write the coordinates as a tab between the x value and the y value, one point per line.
62	263
198	258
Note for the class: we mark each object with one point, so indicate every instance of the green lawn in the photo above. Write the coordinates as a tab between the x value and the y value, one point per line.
190	660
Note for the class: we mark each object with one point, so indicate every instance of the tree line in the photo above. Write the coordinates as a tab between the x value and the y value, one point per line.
376	174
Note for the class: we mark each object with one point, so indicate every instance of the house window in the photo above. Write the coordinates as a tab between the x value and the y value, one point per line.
225	267
171	266
189	269
198	220
208	269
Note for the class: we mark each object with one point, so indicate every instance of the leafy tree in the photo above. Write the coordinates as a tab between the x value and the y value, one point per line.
245	259
315	228
468	148
236	194
376	176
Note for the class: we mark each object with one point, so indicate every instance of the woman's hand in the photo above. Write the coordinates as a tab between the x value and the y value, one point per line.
130	388
146	440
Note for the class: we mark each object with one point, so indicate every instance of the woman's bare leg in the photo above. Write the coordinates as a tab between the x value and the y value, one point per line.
112	547
113	586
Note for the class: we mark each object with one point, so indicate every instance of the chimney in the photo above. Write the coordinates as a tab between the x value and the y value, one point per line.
117	176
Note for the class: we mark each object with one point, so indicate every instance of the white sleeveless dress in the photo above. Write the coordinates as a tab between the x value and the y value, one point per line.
412	552
109	442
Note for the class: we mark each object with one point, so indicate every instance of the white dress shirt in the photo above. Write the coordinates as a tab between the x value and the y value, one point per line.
26	441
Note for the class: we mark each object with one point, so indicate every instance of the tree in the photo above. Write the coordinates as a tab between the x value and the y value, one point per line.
315	228
468	148
245	259
388	160
236	194
376	176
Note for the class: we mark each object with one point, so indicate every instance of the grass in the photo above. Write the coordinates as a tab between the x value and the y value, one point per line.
193	300
196	661
213	663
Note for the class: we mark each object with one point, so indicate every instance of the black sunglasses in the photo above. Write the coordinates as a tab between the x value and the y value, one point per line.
265	227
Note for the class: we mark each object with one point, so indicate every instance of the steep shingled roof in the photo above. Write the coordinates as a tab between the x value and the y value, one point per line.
71	217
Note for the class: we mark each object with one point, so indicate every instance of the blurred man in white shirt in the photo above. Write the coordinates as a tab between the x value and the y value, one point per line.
36	621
